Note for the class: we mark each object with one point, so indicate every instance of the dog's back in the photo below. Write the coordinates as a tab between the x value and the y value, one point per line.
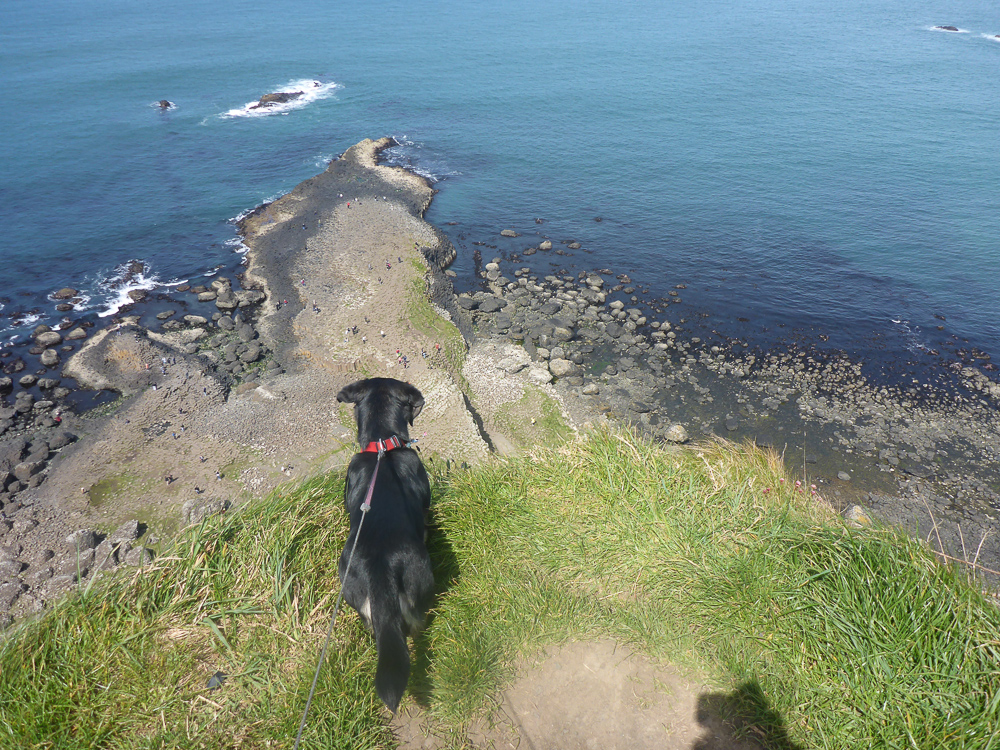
390	581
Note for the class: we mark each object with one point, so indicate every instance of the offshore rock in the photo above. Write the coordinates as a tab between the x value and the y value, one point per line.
278	97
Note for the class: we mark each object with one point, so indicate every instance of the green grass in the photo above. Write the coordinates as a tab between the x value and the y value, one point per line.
424	318
548	426
111	486
828	637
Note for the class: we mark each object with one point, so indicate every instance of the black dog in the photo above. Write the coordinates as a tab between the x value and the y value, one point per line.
390	582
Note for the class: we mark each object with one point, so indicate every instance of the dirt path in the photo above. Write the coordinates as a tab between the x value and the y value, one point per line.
601	695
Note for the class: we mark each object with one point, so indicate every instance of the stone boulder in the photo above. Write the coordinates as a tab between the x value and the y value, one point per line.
197	509
492	304
562	368
539	374
676	434
857	517
48	338
277	97
60	439
248	297
65	293
83	539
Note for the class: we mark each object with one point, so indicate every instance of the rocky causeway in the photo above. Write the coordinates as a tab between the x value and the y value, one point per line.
214	395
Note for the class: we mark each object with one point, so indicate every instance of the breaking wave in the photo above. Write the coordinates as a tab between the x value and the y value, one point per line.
291	96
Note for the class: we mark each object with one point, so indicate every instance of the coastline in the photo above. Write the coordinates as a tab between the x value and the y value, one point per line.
344	279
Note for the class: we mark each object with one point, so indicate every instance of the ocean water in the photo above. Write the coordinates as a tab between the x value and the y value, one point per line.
807	171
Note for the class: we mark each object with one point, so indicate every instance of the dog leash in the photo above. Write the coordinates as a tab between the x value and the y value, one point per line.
365	507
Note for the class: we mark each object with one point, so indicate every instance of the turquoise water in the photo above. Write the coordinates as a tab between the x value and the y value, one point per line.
807	169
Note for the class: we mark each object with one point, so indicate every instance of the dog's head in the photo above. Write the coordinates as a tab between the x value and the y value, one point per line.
383	407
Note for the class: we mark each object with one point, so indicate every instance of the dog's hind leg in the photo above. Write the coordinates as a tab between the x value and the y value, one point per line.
416	593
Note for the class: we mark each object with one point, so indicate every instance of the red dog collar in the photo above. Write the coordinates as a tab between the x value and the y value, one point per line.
385	445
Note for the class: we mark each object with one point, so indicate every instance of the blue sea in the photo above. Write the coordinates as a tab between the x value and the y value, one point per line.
813	171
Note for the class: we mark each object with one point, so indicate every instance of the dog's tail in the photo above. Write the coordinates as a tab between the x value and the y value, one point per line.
393	669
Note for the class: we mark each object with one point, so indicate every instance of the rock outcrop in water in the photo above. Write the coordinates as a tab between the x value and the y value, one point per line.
278	97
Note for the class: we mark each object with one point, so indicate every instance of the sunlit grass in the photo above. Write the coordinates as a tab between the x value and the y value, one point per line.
709	557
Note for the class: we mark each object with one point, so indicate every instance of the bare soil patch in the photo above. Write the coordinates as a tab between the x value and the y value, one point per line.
590	695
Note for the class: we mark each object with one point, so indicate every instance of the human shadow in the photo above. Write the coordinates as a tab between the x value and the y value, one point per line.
739	720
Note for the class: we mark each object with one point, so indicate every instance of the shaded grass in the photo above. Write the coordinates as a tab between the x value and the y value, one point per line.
709	557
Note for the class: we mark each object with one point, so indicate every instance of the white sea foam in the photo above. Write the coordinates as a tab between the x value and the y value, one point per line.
123	280
243	214
22	320
991	37
84	302
246	212
323	161
237	245
311	91
914	340
29	319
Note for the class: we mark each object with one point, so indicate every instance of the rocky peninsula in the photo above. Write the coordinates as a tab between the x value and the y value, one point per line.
344	279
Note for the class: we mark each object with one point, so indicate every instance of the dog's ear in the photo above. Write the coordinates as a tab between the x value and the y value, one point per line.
351	394
414	399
